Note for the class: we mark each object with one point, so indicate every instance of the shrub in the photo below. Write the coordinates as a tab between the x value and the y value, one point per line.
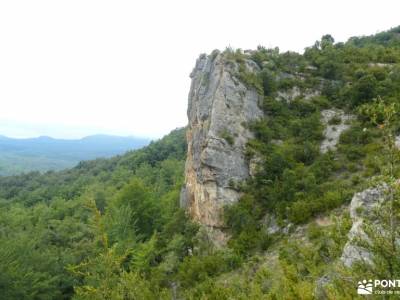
262	131
302	108
321	102
364	90
336	120
249	241
355	135
243	215
268	82
226	135
300	211
195	269
305	153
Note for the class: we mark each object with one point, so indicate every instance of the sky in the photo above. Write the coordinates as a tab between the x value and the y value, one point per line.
74	68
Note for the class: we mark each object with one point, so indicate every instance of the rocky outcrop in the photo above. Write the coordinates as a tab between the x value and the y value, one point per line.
295	92
361	207
220	107
397	141
336	121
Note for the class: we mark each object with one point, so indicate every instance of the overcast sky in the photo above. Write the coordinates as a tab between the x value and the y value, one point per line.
78	67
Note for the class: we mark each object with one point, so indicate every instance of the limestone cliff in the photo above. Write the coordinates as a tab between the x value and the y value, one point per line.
361	207
220	107
336	122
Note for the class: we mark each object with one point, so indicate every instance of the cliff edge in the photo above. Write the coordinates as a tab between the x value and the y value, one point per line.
220	108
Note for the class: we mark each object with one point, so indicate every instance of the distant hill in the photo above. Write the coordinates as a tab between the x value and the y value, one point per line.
46	153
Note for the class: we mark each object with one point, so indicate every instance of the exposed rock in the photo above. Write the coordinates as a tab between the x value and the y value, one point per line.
271	225
220	107
295	92
255	164
333	130
183	199
319	291
289	95
277	142
311	68
361	207
323	221
397	141
309	94
380	65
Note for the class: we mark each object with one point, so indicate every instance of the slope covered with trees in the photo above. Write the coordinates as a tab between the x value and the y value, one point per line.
113	229
51	223
44	153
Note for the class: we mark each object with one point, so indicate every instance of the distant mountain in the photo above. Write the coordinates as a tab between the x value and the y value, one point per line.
45	153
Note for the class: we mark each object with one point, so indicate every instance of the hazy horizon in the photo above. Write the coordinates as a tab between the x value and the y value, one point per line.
23	130
77	138
78	68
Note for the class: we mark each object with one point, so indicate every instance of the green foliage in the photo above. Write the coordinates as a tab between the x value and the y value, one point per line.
42	154
269	84
250	79
364	89
295	181
380	224
138	199
110	174
291	177
196	269
336	120
387	38
91	218
227	137
112	228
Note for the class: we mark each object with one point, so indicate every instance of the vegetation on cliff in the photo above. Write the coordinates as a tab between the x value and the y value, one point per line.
295	180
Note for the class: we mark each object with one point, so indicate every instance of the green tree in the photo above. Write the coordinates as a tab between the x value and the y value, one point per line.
383	228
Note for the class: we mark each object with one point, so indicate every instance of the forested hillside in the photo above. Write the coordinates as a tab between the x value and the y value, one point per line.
52	224
113	229
45	153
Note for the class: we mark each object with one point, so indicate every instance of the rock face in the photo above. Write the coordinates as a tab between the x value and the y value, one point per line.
220	107
336	121
361	207
295	92
397	141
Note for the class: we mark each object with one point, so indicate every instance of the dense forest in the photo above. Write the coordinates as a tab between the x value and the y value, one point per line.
113	229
